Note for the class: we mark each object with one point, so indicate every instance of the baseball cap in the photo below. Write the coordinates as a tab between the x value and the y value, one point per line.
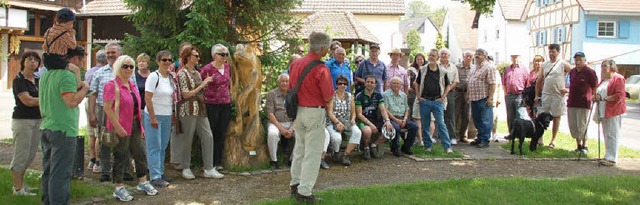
579	54
65	15
374	45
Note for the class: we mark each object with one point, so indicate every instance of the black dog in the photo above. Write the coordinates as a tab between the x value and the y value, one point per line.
534	129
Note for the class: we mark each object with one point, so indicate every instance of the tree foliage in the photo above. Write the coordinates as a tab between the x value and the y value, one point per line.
481	6
440	42
204	23
414	42
417	8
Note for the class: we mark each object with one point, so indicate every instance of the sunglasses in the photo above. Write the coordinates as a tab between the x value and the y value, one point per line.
197	56
343	83
223	54
127	66
166	60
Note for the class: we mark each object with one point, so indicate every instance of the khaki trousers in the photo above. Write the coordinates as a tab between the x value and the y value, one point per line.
309	126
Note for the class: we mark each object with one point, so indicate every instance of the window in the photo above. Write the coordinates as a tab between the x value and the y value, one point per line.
485	35
497	33
607	29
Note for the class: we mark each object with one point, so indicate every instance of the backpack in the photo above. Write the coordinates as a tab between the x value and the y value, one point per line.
291	100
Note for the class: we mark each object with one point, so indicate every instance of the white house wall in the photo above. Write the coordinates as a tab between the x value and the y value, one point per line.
429	37
491	29
386	29
517	41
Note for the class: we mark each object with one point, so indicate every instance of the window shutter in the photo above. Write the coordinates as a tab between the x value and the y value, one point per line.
544	37
623	31
592	28
545	2
539	3
537	34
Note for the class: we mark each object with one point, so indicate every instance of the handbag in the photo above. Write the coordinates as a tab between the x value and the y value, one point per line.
110	138
347	125
291	100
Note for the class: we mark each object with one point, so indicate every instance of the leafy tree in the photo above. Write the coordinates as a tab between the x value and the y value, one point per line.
417	8
440	43
437	17
413	42
204	23
481	6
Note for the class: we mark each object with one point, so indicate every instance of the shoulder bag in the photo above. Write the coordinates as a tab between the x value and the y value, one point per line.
291	100
110	138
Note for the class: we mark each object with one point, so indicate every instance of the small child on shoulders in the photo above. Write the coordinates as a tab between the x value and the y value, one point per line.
60	38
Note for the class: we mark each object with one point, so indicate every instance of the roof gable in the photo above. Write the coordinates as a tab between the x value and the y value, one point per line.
344	26
610	5
461	18
512	9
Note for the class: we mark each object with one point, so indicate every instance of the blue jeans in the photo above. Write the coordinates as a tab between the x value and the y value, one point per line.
58	153
482	116
412	129
437	108
513	103
157	141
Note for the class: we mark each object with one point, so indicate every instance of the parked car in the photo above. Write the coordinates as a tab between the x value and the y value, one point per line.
633	86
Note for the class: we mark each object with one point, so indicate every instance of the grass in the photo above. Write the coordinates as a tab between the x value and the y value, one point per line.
80	190
575	190
437	151
565	144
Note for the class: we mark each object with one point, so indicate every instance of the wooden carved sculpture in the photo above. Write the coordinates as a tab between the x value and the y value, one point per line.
245	145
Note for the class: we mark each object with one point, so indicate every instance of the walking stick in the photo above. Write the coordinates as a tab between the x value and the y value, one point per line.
584	136
599	143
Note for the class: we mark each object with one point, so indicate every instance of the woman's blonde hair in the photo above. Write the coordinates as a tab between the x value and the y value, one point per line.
117	66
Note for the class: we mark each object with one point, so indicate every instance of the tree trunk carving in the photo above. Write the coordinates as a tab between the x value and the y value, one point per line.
245	145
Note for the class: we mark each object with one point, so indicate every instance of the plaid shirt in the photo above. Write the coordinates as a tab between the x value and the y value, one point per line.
101	78
275	105
479	80
515	79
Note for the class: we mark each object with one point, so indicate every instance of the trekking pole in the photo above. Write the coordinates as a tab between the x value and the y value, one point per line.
584	136
599	124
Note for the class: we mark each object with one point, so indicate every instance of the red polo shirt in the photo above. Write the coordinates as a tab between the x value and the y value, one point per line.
581	87
316	88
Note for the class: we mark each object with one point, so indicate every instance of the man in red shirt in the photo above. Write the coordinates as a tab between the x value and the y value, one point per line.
315	91
582	86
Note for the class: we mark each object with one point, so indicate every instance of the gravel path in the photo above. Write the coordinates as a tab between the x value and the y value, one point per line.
235	189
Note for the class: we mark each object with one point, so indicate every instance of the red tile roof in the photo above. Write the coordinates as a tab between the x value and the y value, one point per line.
462	18
512	9
610	5
386	7
344	26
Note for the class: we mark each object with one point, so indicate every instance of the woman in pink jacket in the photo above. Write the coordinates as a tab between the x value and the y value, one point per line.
611	97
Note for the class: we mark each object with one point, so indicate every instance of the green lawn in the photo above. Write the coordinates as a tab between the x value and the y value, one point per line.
80	190
437	151
576	190
565	144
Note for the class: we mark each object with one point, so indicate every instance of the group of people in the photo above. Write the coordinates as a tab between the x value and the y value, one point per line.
378	102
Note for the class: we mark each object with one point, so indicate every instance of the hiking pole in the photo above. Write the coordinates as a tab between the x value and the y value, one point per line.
599	124
584	136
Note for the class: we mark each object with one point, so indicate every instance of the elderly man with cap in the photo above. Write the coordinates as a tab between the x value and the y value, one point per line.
372	66
395	70
59	99
514	81
582	85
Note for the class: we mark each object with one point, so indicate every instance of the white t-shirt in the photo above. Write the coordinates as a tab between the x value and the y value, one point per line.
162	99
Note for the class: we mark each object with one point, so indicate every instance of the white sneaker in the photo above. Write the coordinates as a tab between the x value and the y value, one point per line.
97	169
187	174
212	173
23	192
454	141
90	166
449	151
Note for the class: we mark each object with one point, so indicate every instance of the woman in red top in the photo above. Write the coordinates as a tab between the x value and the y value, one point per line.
218	98
127	124
611	96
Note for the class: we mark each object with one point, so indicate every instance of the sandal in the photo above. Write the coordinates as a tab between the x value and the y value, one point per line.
607	163
552	145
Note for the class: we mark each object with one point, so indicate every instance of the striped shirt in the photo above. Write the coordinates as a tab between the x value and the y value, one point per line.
101	78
